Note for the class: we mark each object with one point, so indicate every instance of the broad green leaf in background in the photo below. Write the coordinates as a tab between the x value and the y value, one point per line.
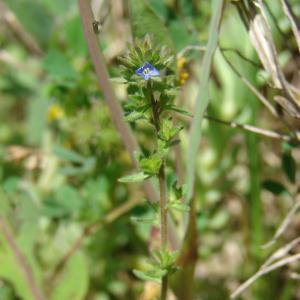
59	67
74	36
37	119
144	20
160	7
68	155
35	17
11	270
86	164
86	167
65	201
181	36
57	7
69	198
73	281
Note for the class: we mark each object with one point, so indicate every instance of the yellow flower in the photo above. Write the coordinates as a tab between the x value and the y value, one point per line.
183	74
55	112
180	62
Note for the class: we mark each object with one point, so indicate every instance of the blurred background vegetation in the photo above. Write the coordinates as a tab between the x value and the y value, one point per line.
61	155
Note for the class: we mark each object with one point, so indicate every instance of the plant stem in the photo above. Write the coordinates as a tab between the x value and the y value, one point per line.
163	207
162	194
163	224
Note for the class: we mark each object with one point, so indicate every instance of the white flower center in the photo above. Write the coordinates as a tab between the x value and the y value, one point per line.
146	71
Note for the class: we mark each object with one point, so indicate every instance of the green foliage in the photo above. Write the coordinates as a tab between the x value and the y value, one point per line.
274	187
163	264
151	164
35	16
145	21
73	281
59	69
138	177
289	166
152	275
148	101
59	172
168	130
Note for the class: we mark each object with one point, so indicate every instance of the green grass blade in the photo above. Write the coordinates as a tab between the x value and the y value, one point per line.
203	96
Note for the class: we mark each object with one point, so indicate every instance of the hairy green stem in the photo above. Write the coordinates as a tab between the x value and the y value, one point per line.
163	207
164	223
162	193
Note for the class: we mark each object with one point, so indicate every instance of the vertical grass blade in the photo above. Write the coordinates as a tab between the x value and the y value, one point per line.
202	96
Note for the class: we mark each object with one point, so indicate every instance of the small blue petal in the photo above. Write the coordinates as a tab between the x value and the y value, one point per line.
147	71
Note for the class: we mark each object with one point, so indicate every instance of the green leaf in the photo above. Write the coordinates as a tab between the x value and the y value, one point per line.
181	35
289	166
86	167
138	177
10	269
145	21
153	275
65	201
74	36
37	119
118	80
73	281
58	67
169	130
180	206
150	165
160	7
274	187
143	220
179	110
68	155
134	116
35	17
11	184
166	260
69	198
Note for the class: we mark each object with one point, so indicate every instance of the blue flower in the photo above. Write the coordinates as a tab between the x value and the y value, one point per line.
147	71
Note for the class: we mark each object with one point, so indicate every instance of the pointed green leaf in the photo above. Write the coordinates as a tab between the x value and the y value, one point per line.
153	275
180	206
179	110
150	165
289	166
138	177
274	187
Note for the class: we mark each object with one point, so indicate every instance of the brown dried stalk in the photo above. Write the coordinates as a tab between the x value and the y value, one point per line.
285	223
267	268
